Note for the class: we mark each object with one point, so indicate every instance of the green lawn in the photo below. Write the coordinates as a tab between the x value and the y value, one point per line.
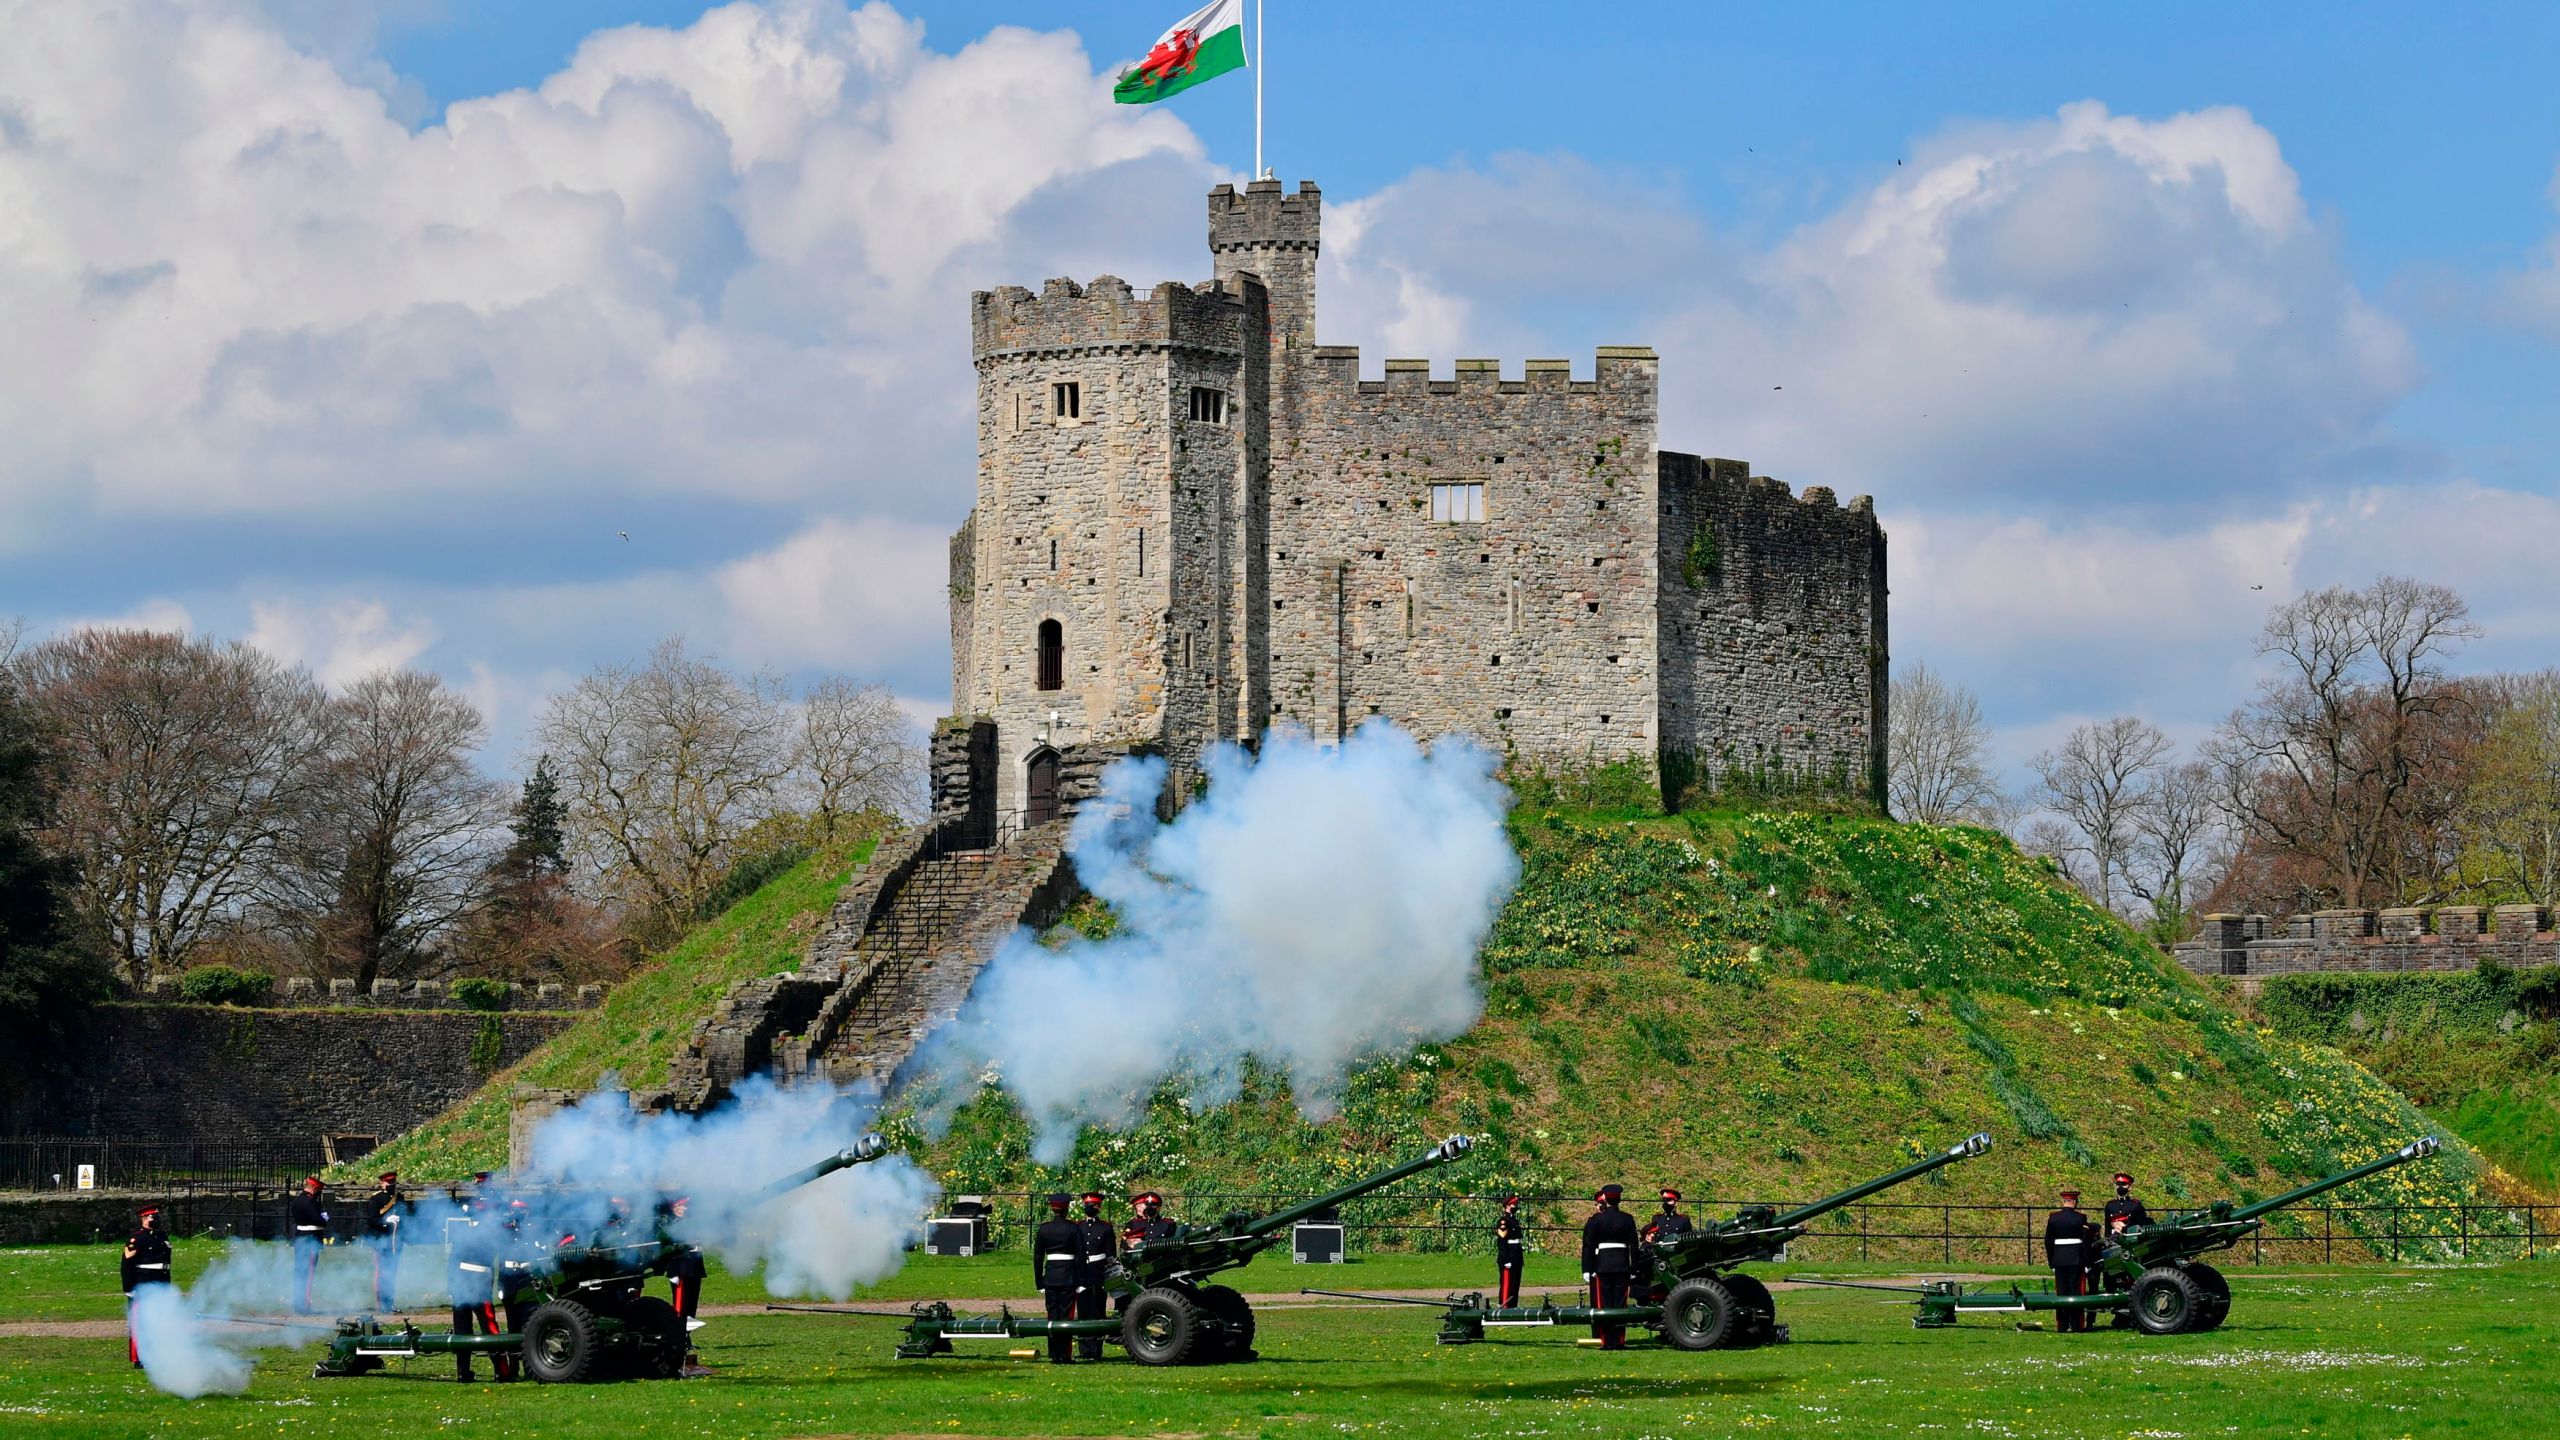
2363	1352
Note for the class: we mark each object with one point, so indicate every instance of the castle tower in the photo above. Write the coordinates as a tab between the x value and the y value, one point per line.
1114	434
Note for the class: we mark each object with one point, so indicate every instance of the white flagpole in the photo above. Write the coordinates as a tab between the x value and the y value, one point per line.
1258	171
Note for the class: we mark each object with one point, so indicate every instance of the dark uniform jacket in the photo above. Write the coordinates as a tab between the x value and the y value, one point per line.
1057	1254
2128	1206
1609	1243
1510	1240
1101	1242
470	1259
1147	1228
150	1262
2070	1241
379	1208
1668	1222
305	1218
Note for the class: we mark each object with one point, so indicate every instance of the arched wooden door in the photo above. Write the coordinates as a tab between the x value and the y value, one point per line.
1040	792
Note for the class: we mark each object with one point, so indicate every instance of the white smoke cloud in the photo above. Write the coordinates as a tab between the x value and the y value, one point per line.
591	1167
1318	907
824	1238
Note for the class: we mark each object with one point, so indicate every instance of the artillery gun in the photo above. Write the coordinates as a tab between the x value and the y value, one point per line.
1167	1316
590	1320
2150	1276
1692	1295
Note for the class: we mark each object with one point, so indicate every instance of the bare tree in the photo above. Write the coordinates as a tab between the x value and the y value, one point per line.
859	752
2343	762
2176	854
399	833
1939	753
665	766
185	765
2098	780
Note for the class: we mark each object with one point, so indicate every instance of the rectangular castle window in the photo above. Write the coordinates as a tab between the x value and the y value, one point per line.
1460	504
1066	402
1142	555
1208	406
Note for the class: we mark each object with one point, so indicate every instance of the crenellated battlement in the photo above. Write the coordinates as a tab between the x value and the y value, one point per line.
1617	369
2444	937
1682	473
1261	216
1107	313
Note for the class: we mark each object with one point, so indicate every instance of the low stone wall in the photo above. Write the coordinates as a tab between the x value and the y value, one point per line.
300	990
2446	937
200	1073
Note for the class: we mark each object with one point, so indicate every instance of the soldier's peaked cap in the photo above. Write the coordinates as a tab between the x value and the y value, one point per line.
1057	1199
2123	1179
148	1210
1148	1197
1670	1194
1610	1192
1092	1197
2069	1194
389	1175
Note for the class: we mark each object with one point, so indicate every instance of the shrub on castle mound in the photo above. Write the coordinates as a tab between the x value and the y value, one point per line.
223	985
481	993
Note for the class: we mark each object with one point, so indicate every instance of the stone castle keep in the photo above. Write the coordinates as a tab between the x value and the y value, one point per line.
1194	522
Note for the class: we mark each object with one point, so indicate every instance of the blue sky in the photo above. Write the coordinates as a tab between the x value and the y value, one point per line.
369	330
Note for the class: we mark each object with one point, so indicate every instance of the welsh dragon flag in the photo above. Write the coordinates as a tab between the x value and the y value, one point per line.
1202	46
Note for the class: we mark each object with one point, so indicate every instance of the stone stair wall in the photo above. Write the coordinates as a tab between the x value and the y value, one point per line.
897	953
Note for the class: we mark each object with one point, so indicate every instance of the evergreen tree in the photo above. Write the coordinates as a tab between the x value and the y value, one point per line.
46	976
540	826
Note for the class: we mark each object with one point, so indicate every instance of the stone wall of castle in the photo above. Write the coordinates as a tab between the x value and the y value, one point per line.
213	1072
1773	628
2446	937
1115	522
1532	628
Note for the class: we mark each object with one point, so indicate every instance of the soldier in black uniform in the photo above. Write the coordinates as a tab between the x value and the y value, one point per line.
146	1262
470	1264
381	1215
1510	1252
1147	1222
685	1271
1608	1262
2125	1209
1057	1258
307	1221
2070	1246
1101	1242
522	1254
1669	1221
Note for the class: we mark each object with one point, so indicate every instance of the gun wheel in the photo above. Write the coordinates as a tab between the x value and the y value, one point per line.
1161	1328
2217	1295
1755	1320
662	1337
1234	1337
1698	1315
2167	1301
560	1344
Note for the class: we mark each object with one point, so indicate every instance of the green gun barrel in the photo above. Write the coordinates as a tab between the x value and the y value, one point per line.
2417	1149
865	1150
1978	1143
1453	1148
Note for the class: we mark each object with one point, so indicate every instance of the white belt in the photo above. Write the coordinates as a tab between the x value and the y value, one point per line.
146	1265
2062	1242
1611	1245
1057	1257
475	1269
1103	1256
307	1229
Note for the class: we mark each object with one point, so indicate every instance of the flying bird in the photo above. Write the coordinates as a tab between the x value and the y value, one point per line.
2257	587
625	534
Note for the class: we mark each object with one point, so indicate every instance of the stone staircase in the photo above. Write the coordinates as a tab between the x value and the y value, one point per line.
897	956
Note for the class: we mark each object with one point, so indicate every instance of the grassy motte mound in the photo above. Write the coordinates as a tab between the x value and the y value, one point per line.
643	1023
2480	1050
1774	1006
